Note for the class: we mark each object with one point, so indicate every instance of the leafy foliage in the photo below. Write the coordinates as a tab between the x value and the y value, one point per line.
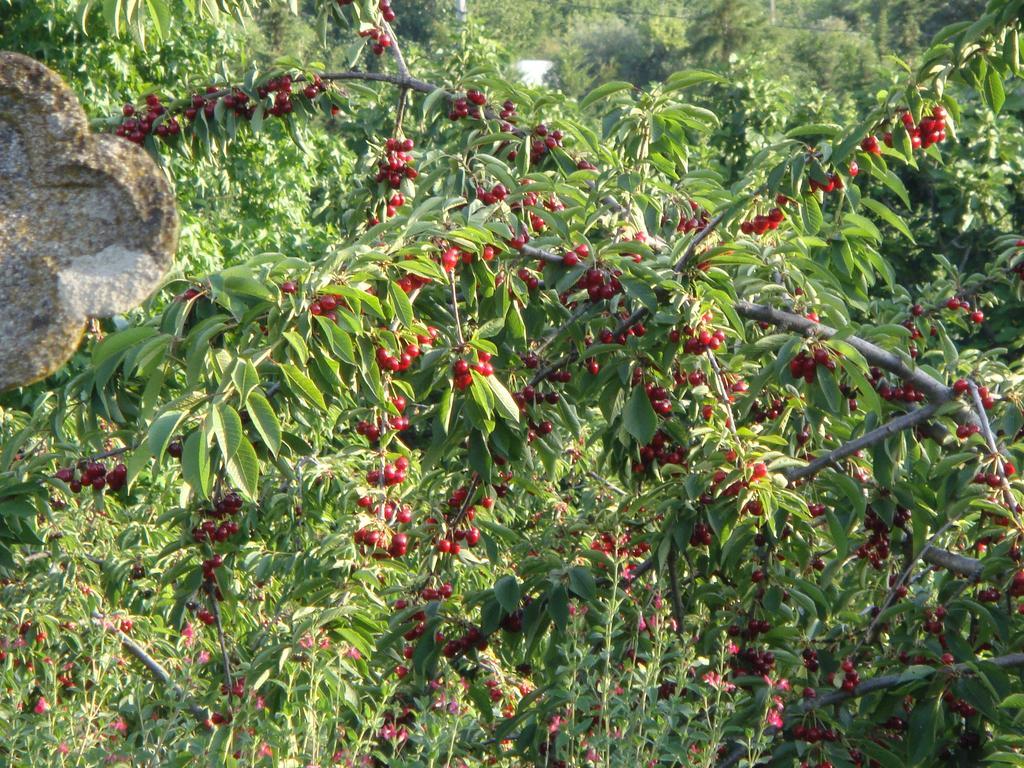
484	426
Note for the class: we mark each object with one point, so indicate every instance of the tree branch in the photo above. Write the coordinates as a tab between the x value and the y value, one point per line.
891	427
936	391
880	683
156	670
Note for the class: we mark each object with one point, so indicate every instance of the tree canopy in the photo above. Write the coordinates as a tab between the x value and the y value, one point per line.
669	419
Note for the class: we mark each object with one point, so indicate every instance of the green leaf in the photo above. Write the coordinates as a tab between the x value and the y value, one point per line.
582	582
245	378
689	77
227	426
161	431
195	463
303	384
995	95
888	216
558	606
400	303
895	184
811	215
244	469
603	91
119	342
503	400
507	593
639	418
265	421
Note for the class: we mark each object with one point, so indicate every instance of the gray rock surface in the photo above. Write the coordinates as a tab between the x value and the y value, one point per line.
87	222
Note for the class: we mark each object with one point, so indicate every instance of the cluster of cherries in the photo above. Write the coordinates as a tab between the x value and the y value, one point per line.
698	219
381	39
600	284
544	141
95	475
619	546
387	361
470	105
753	628
993	479
805	365
931	129
833	184
224	508
902	393
955	303
702	535
814	734
389	510
659	398
698	340
411	282
324	305
392	473
661	451
810	659
529	395
761	412
159	119
463	378
762	223
396	164
378	543
138	125
497	194
372	431
396	201
473	638
577	254
752	661
876	548
851	678
453	255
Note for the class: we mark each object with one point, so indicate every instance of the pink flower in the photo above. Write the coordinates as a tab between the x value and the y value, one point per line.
260	703
306	641
203	657
188	632
715	680
63	748
120	725
42	706
774	718
353	653
264	750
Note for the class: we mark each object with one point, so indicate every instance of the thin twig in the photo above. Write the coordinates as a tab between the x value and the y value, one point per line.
722	393
673	588
455	311
211	592
606	482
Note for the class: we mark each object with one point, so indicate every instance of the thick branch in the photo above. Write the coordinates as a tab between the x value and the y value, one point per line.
877	435
959	564
936	391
